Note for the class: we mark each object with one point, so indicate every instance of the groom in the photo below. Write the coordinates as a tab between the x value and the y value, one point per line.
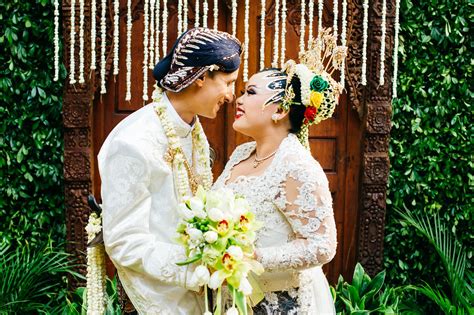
139	191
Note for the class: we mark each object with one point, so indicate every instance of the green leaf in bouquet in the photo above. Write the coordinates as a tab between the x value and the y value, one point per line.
239	299
190	260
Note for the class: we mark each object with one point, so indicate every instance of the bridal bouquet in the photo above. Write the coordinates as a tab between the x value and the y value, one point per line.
218	233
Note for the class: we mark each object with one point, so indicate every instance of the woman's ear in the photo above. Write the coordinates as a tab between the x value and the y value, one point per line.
281	113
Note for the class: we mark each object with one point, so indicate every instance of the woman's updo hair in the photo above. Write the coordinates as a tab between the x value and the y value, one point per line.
296	113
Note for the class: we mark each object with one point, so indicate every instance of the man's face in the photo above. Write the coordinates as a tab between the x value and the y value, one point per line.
217	89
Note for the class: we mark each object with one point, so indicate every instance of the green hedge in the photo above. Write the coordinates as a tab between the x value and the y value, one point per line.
31	136
432	138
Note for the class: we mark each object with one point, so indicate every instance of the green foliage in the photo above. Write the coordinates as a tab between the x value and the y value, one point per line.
431	147
454	259
31	279
31	139
365	295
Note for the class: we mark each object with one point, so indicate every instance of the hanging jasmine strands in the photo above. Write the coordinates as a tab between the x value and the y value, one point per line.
216	14
102	46
262	35
81	41
72	64
395	48
165	27
336	13
116	36
185	17
364	43
145	51
283	33
382	43
277	35
93	33
56	40
180	17
152	35
204	18
246	41
320	16
234	17
311	19
128	95
343	40
303	25
157	31
196	15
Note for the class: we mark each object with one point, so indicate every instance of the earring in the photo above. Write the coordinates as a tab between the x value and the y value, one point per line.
275	118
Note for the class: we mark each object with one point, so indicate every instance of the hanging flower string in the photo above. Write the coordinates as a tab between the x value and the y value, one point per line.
364	42
56	40
151	62
246	40
180	17
283	33
303	25
343	41
382	43
116	36
277	34
81	41
165	27
311	19
336	15
72	64
216	14
205	8
395	48
234	17
196	15
262	35
103	30
128	95
157	31
93	33
145	50
185	16
320	16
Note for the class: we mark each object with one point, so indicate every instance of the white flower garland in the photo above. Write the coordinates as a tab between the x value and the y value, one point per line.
93	33
216	14
165	27
151	62
382	43
320	16
246	40
204	18
81	41
116	36
277	35
395	48
336	15
364	43
182	181
262	35
128	95
180	17
56	40
196	15
343	41
145	51
72	65
103	30
185	18
303	25
311	19
283	33
96	275
234	17
157	31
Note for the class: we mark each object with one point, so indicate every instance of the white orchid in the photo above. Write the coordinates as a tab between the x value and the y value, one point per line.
216	215
200	276
210	236
194	234
236	252
184	212
245	286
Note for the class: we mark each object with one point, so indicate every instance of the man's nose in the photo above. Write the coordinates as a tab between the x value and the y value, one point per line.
229	97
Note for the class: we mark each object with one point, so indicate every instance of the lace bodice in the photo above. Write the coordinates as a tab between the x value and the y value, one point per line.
293	200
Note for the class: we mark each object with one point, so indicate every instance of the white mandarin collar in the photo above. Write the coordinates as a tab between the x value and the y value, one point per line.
183	129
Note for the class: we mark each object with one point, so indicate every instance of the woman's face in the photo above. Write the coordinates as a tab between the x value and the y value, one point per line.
255	107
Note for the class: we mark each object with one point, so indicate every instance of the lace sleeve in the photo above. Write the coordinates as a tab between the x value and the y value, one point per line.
126	209
309	212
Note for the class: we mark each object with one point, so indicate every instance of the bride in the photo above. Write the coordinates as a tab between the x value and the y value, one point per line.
285	186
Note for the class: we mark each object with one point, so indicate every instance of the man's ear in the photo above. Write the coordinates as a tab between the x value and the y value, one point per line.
200	81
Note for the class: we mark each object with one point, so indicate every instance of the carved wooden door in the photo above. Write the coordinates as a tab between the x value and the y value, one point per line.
335	143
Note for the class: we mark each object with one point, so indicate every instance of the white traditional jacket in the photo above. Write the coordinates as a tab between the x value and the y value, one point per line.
139	216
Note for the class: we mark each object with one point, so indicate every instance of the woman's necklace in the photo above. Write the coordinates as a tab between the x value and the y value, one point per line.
257	161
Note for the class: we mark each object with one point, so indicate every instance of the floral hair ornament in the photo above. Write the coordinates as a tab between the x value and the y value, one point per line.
319	91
